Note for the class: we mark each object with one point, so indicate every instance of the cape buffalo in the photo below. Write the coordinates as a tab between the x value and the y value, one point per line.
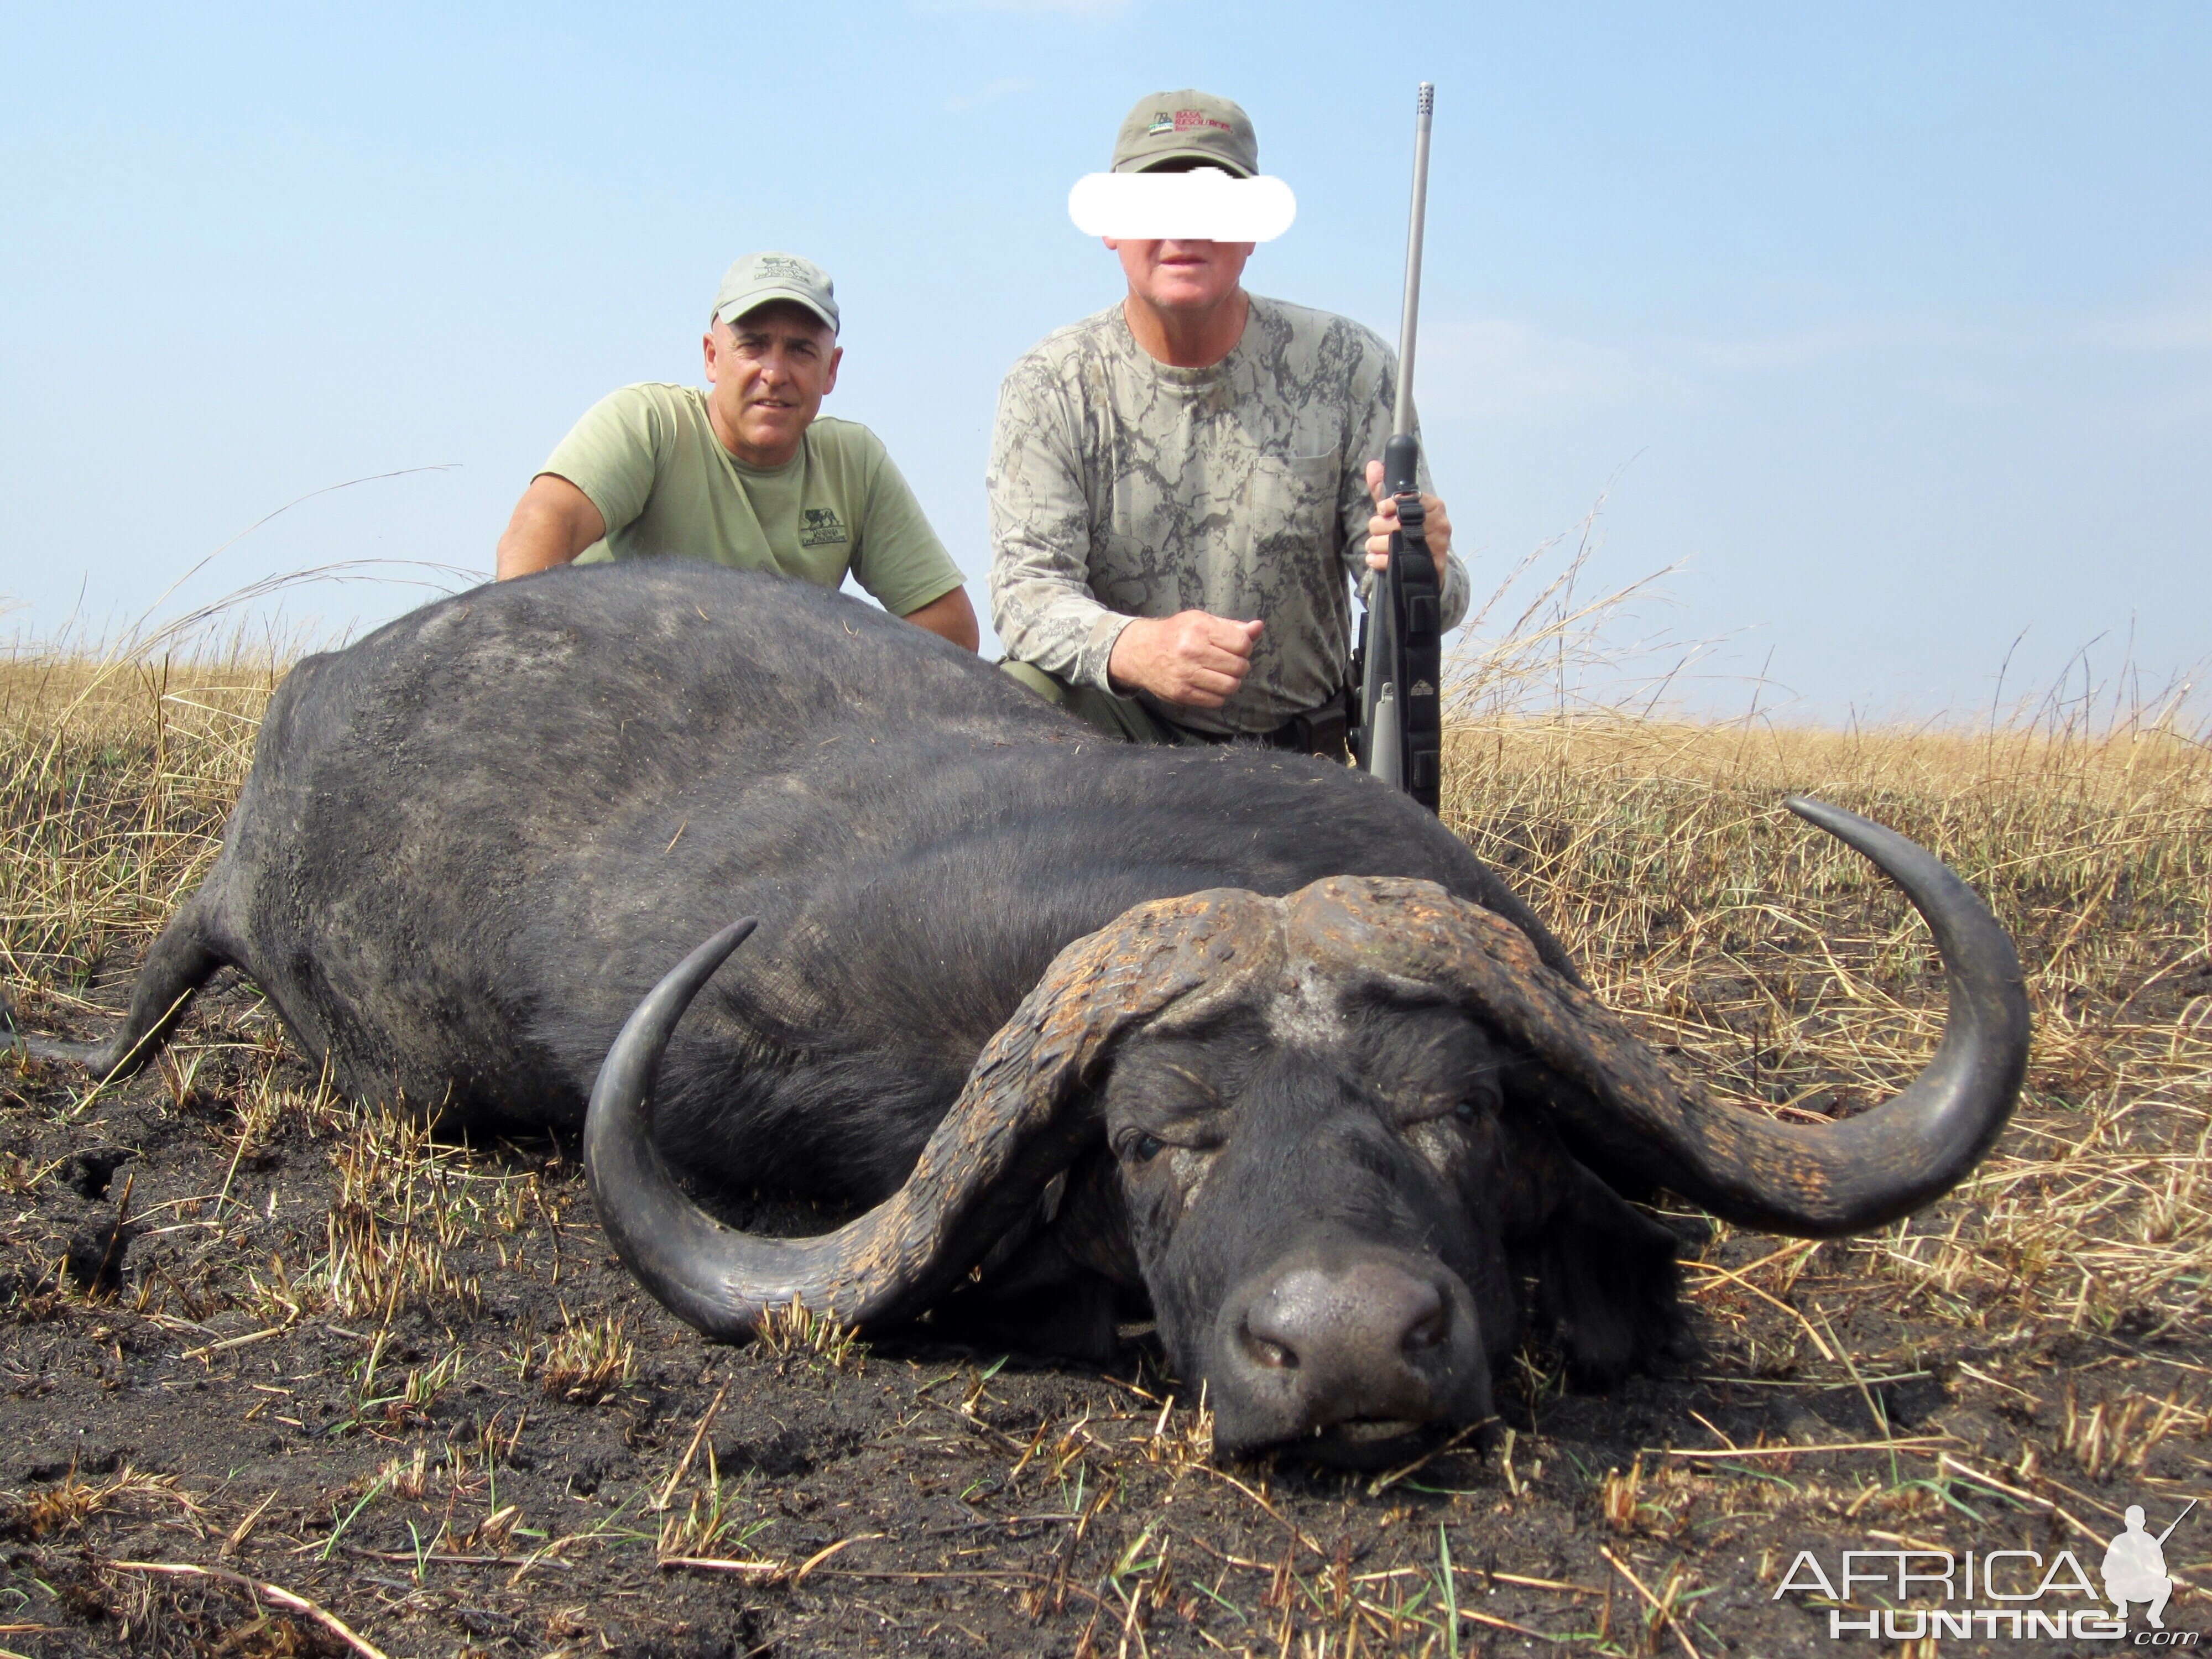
1069	1026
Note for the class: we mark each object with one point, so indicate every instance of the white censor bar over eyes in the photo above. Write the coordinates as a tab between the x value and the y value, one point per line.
1206	206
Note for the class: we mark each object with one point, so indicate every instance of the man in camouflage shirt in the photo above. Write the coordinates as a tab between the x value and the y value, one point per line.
1180	486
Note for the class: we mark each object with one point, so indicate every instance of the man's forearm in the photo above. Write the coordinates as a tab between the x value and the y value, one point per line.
1056	625
553	522
531	543
949	617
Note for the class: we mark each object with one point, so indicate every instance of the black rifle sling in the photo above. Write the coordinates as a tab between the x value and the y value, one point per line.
1414	609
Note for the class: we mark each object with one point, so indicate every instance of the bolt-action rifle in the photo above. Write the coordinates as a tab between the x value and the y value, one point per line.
1397	731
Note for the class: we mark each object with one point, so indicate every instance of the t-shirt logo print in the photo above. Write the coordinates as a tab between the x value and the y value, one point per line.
818	525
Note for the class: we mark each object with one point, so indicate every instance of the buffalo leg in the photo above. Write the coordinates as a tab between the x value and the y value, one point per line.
180	962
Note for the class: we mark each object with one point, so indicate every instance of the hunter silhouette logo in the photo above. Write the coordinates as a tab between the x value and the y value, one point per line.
2135	1567
818	527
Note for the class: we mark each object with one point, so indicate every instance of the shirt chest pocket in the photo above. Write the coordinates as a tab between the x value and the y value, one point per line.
1290	508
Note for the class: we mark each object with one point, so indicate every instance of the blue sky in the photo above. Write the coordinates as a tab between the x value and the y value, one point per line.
1891	325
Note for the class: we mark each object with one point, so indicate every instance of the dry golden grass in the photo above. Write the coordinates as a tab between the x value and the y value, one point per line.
1777	963
67	1505
402	1204
798	1333
115	779
588	1358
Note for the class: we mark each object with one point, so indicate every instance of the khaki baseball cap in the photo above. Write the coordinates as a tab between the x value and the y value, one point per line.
1186	126
760	279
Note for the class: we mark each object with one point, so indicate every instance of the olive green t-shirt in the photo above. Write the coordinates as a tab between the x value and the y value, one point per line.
648	457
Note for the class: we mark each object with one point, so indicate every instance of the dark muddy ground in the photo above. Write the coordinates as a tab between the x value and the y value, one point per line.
407	1386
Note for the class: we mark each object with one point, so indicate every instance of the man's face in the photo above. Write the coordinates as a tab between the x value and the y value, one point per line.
768	371
1186	276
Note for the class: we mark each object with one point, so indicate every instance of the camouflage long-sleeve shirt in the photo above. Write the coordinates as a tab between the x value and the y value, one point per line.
1122	488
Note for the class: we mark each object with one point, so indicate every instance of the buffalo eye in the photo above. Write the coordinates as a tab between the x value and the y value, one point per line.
1143	1149
1466	1111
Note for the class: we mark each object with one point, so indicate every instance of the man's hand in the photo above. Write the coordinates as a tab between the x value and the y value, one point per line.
1384	525
1191	658
553	522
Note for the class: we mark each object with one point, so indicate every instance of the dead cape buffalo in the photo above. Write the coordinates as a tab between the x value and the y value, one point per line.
1068	1027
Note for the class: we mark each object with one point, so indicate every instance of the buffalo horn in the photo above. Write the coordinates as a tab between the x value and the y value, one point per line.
1623	1111
1023	1115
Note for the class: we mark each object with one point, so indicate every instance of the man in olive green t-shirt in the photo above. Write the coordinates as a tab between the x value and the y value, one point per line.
743	473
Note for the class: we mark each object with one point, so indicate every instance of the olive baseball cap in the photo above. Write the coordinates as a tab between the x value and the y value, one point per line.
760	279
1186	126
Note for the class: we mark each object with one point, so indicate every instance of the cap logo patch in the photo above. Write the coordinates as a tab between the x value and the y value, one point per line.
775	265
1162	122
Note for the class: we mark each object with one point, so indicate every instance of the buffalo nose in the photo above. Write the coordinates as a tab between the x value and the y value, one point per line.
1370	1323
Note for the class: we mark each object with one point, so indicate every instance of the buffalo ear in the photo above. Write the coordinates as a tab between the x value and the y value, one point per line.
1535	1092
1052	1287
1607	1286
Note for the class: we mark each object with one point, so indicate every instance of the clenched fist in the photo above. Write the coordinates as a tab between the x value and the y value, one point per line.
1191	658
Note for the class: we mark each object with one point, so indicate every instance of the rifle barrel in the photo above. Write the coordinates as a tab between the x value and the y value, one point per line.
1401	418
2176	1521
